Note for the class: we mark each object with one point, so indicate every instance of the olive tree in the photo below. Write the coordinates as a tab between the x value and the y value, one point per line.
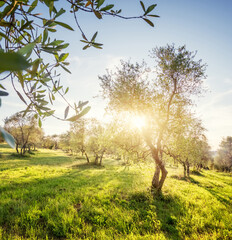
176	78
98	142
50	142
23	129
62	141
78	137
126	142
187	144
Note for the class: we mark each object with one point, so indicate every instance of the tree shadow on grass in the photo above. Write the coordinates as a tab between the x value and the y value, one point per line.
16	161
36	203
215	189
84	165
221	199
221	176
169	210
165	209
210	187
186	179
197	173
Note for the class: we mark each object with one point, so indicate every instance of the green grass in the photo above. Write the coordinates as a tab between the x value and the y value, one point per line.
49	195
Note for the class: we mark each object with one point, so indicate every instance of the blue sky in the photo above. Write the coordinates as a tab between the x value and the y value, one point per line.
202	25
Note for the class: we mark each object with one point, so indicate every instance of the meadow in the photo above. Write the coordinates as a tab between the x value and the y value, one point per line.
49	195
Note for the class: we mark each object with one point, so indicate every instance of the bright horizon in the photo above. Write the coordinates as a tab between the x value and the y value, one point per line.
200	25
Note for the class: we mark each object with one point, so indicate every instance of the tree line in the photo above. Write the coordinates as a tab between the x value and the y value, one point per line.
95	140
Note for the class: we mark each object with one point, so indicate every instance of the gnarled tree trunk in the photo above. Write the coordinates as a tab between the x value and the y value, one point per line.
157	181
17	147
96	159
87	158
187	164
101	157
185	169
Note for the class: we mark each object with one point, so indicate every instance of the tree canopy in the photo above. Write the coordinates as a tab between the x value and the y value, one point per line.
162	97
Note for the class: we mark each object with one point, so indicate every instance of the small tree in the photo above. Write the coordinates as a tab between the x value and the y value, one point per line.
50	142
187	144
35	139
127	142
78	137
62	141
23	129
98	140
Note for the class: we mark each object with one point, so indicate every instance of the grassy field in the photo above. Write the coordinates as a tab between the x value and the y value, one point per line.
49	195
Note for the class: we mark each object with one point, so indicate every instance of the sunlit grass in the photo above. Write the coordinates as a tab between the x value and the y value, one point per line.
50	195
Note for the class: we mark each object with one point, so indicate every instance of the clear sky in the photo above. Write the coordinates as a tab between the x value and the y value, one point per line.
202	25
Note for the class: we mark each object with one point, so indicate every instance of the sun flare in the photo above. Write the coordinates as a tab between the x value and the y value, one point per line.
138	121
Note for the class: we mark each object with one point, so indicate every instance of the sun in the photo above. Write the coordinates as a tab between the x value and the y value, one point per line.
138	121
